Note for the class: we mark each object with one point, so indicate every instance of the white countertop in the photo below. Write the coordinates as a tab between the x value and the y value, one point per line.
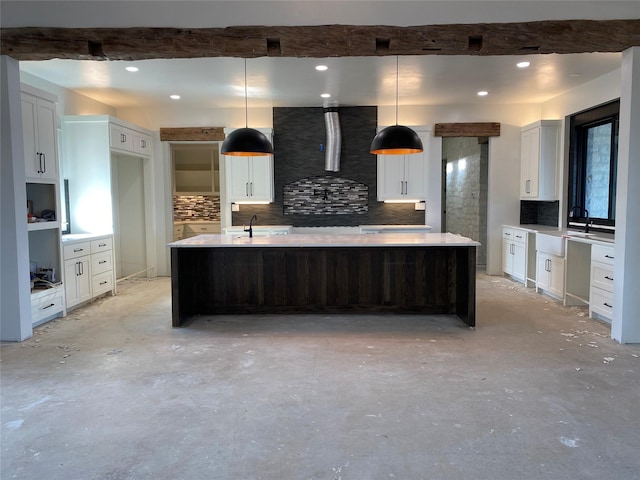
78	237
570	234
346	240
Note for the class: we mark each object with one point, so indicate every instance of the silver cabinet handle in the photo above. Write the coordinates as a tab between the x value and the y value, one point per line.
76	250
528	186
251	185
246	189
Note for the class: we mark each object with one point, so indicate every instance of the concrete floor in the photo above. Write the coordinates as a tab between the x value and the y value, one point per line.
536	391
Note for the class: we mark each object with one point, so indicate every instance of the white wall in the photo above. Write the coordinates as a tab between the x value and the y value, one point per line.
504	161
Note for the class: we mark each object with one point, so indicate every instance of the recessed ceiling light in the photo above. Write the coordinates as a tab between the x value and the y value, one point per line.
321	68
174	97
131	69
325	95
523	64
483	93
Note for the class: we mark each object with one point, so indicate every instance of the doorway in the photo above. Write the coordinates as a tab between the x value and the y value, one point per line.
465	181
129	224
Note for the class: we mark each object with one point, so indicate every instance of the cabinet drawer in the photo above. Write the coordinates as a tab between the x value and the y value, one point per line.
600	253
199	228
102	245
602	276
46	303
601	302
102	283
507	234
76	250
519	236
101	262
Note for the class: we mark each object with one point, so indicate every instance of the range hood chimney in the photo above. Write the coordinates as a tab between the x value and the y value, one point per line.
334	140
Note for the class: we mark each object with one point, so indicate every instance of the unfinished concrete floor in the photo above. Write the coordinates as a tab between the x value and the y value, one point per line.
536	391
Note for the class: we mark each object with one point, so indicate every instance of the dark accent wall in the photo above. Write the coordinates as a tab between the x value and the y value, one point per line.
298	142
539	213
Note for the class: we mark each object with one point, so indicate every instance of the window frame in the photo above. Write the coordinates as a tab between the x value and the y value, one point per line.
579	123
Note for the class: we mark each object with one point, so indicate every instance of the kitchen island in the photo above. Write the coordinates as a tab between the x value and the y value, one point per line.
425	273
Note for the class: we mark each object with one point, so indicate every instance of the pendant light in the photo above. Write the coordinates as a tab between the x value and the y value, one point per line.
396	139
246	142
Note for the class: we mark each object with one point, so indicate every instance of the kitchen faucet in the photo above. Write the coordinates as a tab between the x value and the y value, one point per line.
582	211
250	229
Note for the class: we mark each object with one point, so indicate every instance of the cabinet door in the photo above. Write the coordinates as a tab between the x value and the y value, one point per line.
121	138
556	275
519	261
261	178
507	258
391	177
46	134
542	271
29	132
238	178
529	163
77	279
142	144
415	176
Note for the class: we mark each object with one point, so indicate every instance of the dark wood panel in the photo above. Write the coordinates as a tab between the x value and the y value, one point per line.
431	280
196	134
518	38
484	129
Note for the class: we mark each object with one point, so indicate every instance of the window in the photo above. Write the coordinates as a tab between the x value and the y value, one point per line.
593	158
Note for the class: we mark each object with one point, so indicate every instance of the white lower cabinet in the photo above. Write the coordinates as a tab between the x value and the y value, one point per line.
514	253
601	288
88	268
550	274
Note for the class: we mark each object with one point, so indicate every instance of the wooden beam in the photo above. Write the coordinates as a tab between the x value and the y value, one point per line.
194	134
140	43
488	129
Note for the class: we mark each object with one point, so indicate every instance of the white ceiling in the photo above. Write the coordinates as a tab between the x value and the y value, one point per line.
219	82
294	82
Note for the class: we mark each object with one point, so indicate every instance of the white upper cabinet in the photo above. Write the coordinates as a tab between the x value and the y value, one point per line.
39	131
539	160
250	179
404	177
128	140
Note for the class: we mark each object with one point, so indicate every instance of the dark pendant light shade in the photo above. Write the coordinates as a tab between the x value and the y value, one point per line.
246	142
396	140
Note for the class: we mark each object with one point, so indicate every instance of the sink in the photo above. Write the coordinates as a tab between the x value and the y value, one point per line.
552	244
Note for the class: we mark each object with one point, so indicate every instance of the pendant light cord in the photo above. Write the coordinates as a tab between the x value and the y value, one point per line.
397	75
246	101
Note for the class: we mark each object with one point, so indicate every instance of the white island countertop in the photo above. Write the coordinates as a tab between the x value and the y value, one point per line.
346	240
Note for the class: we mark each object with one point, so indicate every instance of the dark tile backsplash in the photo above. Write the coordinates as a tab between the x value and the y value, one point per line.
298	142
539	213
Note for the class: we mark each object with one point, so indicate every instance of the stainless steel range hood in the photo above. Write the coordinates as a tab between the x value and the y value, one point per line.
334	140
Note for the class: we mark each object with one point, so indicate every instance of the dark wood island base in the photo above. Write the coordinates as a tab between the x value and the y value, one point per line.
425	279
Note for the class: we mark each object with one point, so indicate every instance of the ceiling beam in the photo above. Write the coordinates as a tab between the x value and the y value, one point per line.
192	134
553	36
486	129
